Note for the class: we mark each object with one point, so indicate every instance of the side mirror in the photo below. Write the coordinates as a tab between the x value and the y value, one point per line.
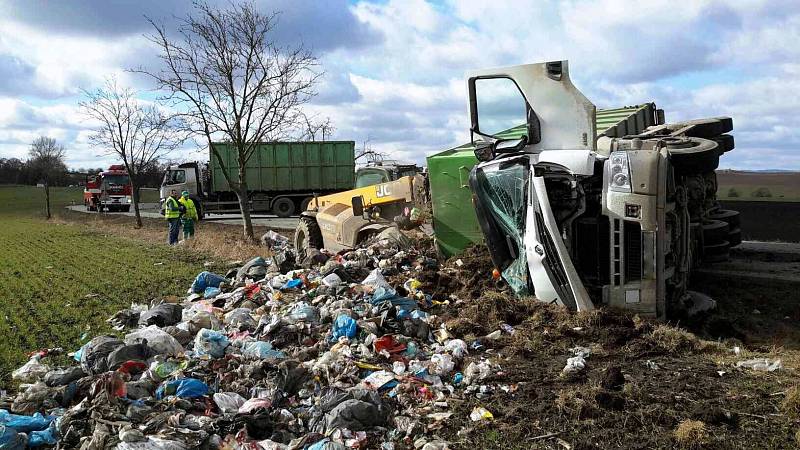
484	150
358	206
511	145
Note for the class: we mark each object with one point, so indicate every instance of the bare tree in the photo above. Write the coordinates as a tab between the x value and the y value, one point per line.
137	133
46	160
313	128
233	82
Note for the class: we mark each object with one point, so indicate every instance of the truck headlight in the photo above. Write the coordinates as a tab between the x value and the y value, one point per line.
620	173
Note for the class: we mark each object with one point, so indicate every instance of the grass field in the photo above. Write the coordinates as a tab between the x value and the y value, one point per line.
758	186
29	200
60	280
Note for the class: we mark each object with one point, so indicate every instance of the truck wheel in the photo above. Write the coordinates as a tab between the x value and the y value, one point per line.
307	235
705	128
715	232
283	207
729	216
717	252
126	209
693	155
304	204
726	142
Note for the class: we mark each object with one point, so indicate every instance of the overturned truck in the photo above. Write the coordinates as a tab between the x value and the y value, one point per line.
583	221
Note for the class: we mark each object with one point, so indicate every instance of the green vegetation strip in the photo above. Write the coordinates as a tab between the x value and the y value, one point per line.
58	282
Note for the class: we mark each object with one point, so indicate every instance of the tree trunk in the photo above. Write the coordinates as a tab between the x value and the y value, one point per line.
135	197
47	197
244	204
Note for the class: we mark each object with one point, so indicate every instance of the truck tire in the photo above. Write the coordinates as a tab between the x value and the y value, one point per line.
717	252
307	235
693	155
729	216
715	232
283	207
735	237
726	142
304	204
705	128
126	209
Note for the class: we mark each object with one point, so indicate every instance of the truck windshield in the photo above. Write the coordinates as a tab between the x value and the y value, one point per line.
370	177
502	193
174	177
116	179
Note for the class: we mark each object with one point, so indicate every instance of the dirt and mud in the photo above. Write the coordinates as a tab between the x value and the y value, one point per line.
645	384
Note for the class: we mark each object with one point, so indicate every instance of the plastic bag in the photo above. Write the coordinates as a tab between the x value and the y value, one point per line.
228	402
261	350
376	280
441	364
457	348
153	443
332	280
344	325
255	262
303	312
158	340
167	368
48	436
477	371
209	342
24	424
94	354
163	315
274	241
211	292
11	440
293	284
240	319
183	388
31	371
254	404
206	279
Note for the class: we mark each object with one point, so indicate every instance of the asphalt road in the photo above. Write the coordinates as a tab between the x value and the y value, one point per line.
150	210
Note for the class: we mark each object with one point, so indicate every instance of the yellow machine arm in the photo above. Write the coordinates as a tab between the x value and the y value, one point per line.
405	189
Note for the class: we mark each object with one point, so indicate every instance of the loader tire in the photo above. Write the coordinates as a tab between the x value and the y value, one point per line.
729	216
717	252
692	156
715	232
307	235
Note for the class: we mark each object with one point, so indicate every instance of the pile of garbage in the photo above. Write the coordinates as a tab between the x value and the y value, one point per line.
333	351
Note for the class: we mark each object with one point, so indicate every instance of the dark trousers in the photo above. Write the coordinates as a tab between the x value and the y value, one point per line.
174	230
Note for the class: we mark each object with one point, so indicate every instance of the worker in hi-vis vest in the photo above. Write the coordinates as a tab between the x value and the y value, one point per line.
172	212
189	215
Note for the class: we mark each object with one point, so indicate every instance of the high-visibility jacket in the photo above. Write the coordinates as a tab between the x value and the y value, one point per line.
191	211
172	210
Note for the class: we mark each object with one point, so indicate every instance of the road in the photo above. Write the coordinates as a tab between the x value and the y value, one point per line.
150	210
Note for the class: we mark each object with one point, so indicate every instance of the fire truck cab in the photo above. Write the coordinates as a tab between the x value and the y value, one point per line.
110	190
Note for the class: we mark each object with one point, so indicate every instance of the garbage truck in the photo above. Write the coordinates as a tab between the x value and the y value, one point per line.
582	220
110	190
282	177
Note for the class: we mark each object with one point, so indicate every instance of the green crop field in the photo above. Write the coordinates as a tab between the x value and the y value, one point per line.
59	281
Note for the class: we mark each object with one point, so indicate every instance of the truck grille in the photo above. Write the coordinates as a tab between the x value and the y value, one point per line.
633	251
552	265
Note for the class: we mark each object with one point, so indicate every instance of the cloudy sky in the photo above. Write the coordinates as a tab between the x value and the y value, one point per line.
394	69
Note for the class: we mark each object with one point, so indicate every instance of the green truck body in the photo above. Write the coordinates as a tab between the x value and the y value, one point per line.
454	220
290	167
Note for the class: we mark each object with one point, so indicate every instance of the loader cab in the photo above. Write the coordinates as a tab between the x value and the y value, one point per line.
384	172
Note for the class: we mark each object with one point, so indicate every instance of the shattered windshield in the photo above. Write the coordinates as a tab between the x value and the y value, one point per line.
503	190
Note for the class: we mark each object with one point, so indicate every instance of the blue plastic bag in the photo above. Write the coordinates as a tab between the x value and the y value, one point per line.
183	388
211	292
210	342
10	439
44	437
206	279
292	284
77	355
25	424
344	325
383	294
261	350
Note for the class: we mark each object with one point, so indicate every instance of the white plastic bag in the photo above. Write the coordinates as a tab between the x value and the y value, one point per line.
228	402
376	280
441	364
157	339
32	371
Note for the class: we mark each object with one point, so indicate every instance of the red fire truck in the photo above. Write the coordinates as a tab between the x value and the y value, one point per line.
111	190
